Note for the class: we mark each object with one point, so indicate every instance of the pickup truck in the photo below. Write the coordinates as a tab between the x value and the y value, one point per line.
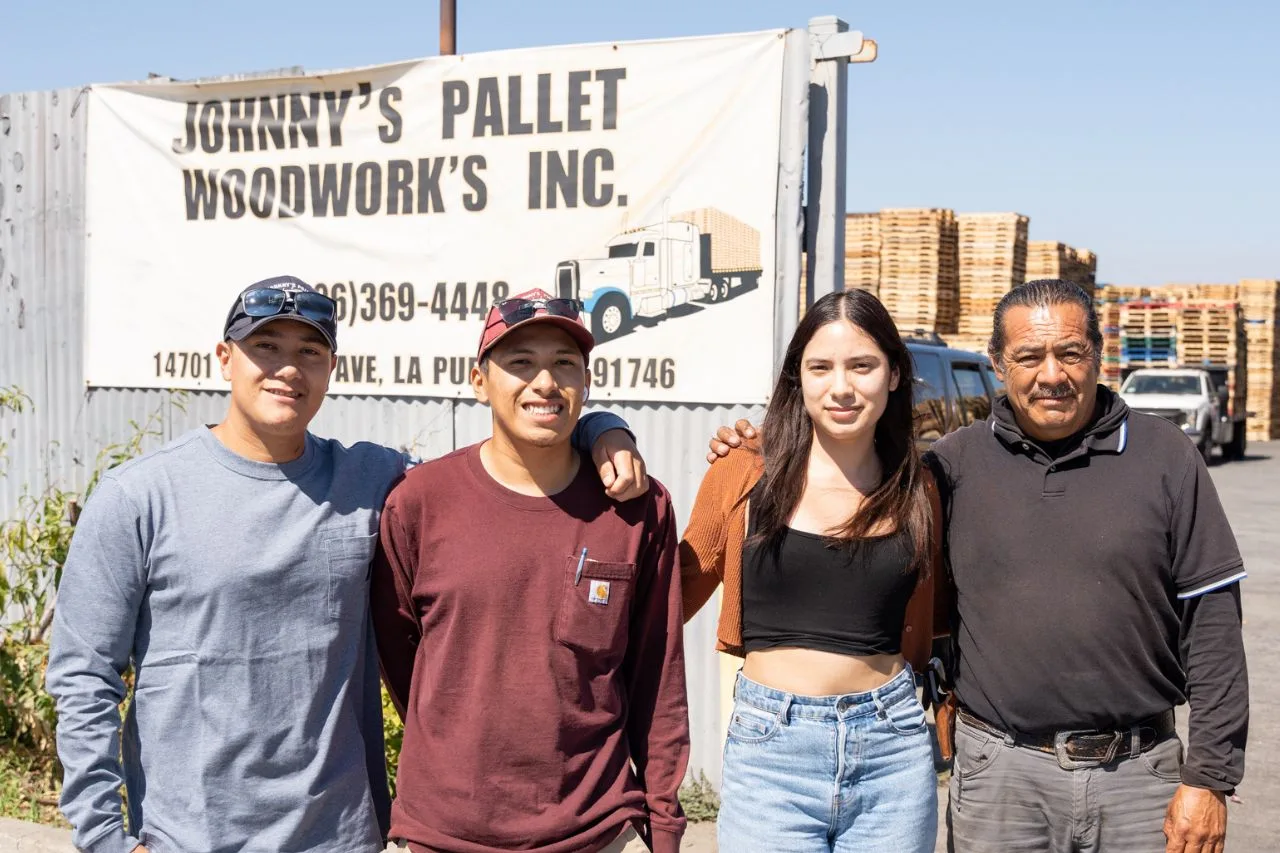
1196	399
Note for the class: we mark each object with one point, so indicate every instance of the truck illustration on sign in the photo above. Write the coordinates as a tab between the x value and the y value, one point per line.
701	256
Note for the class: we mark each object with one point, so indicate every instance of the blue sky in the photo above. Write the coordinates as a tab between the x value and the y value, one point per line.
1148	132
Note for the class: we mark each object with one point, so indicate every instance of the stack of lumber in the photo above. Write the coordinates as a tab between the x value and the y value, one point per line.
1260	302
993	259
1047	259
862	252
919	268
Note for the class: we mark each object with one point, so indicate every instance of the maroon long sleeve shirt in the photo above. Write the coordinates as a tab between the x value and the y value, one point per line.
528	693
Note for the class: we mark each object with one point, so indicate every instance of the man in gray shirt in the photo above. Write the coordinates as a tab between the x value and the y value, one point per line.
230	569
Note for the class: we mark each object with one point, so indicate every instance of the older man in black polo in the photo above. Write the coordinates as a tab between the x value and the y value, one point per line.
1097	586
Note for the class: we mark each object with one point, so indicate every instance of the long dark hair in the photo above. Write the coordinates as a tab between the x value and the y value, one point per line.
900	501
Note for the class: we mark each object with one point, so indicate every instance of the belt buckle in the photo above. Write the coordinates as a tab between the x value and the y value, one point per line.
1062	749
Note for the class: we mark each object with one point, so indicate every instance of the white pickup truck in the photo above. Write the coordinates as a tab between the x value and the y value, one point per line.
1196	399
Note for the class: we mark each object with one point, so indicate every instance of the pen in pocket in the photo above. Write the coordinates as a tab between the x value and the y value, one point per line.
577	576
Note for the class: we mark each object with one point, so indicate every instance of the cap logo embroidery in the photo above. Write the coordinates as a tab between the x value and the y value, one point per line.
599	592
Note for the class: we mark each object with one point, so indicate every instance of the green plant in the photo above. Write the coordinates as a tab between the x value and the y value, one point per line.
29	787
12	399
699	800
33	550
393	736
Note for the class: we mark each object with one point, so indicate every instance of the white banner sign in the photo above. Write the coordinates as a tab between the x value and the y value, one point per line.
638	177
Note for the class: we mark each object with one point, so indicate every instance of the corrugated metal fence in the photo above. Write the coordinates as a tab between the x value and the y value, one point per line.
42	246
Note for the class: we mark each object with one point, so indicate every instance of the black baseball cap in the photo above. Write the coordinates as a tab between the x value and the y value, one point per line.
258	305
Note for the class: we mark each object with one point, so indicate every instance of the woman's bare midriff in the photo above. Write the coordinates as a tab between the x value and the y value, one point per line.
809	672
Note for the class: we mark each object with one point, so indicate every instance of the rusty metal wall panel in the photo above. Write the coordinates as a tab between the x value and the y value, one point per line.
41	285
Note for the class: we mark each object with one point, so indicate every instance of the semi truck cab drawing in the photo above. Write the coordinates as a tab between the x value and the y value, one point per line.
705	256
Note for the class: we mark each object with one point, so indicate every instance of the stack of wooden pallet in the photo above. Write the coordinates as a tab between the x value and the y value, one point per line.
1047	259
1260	301
993	258
862	252
919	268
1109	322
1149	334
1193	292
1211	334
1117	293
1108	298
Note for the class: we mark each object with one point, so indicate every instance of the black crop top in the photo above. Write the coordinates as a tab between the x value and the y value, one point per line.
848	600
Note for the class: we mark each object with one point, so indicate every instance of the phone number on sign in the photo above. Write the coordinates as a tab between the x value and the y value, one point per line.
371	302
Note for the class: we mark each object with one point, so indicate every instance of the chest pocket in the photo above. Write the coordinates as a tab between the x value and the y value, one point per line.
595	610
349	558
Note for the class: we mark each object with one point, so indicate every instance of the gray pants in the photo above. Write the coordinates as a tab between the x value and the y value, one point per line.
1012	799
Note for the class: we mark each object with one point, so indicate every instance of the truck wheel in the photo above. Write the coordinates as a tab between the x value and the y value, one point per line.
1239	442
1206	446
611	317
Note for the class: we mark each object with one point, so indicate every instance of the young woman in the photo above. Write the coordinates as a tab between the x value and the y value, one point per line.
823	536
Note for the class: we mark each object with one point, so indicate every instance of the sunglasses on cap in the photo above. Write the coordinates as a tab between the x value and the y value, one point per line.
518	310
268	302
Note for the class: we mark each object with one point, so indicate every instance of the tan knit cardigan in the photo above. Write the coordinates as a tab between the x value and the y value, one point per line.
711	554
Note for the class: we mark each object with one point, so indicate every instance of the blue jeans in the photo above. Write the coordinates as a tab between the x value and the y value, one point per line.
836	774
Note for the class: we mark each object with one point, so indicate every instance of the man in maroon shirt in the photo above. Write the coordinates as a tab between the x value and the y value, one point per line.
529	627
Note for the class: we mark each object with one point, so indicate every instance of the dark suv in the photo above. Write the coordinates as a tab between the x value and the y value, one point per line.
953	387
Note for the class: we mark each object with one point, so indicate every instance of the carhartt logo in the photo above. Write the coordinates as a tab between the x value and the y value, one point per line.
599	592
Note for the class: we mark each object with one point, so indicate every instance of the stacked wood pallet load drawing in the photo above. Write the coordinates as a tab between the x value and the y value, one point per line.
1049	259
1260	302
862	252
919	268
993	258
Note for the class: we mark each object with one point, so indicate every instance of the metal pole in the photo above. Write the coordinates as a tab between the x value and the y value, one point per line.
828	82
448	27
790	216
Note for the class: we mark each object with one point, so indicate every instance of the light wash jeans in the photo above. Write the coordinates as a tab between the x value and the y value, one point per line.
828	774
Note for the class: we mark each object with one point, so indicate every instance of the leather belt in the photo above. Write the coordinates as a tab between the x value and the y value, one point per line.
1079	748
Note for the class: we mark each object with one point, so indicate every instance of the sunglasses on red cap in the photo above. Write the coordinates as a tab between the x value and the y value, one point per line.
518	310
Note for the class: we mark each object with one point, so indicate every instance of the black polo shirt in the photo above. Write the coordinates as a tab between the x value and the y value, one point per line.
1074	571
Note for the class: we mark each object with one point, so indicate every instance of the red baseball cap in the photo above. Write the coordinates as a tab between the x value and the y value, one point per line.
534	306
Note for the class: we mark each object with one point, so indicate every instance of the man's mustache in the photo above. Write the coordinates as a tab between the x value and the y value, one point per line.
1055	392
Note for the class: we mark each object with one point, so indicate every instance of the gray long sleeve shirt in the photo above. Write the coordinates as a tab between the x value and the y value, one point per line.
238	590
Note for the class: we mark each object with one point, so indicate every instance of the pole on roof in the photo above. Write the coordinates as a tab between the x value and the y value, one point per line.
448	27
